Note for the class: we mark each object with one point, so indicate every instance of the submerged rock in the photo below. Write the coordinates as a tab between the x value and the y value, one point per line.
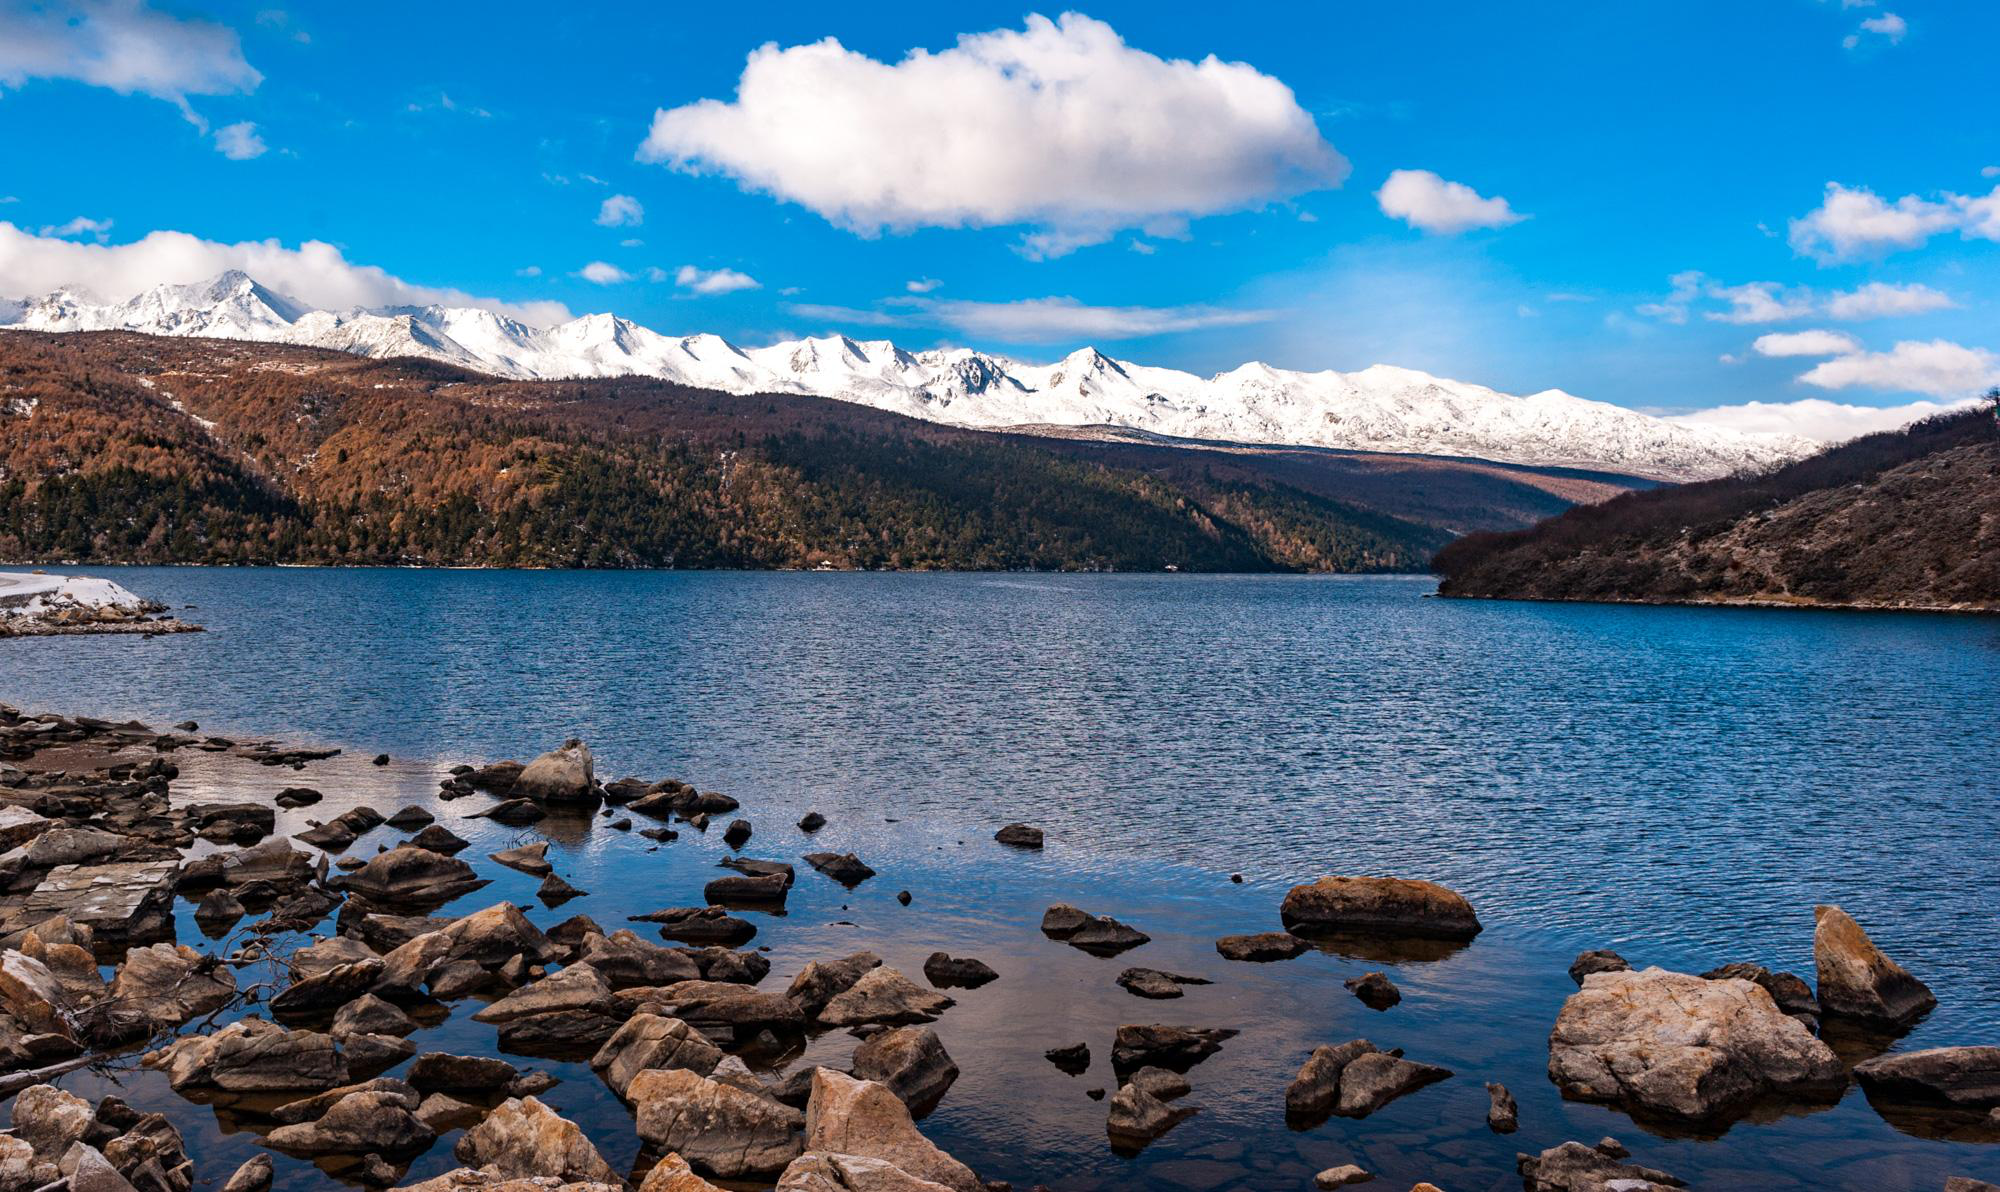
531	859
1019	836
1574	1167
1379	906
1154	984
845	868
1261	947
1856	981
1503	1115
1683	1047
1174	1047
957	972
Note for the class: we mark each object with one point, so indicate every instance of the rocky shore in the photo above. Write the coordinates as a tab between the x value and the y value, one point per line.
294	1014
37	604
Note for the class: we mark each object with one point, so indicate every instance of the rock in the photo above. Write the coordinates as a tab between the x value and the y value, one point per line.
297	796
625	961
311	1109
1790	991
653	1041
33	995
700	925
565	775
1599	960
440	1071
254	1176
330	954
767	890
217	910
373	1122
89	1171
737	834
439	839
811	821
884	995
860	1117
1856	981
673	1174
1370	1081
721	964
1375	990
911	1062
1960	1183
1137	1117
903	897
1340	1177
1073	1059
169	984
845	868
821	980
1062	919
1152	983
1160	1083
524	1138
1964	1077
724	1011
252	1056
1105	936
1019	836
576	988
1682	1047
823	1171
1503	1116
1261	947
368	1054
513	812
274	861
1316	1089
370	1015
409	819
407	874
1574	1167
332	836
49	1119
1379	906
531	859
1175	1047
324	993
120	901
717	1127
957	972
554	891
444	1113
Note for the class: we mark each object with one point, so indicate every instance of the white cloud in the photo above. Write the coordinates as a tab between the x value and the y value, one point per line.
1674	307
632	242
124	45
604	273
239	142
528	271
1854	222
1938	367
1760	302
1813	417
1805	343
1059	126
621	211
315	272
922	285
713	281
1888	26
1878	300
1989	171
1424	200
1037	320
82	225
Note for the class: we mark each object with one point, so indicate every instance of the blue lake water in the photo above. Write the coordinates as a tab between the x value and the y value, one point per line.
1681	785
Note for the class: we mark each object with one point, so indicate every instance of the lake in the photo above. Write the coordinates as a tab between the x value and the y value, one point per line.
1681	785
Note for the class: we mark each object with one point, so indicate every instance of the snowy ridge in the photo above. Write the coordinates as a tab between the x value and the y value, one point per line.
1381	408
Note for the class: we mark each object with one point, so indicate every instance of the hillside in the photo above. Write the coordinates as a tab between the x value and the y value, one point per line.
118	447
1381	408
1907	519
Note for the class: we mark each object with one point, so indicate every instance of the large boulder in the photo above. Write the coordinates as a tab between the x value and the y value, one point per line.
672	1174
860	1117
1857	981
252	1056
576	988
717	1127
49	1119
1136	1117
886	996
410	875
653	1041
378	1121
1353	1079
1964	1077
912	1062
1682	1047
168	984
525	1138
824	1171
565	775
624	961
820	981
1379	906
1574	1167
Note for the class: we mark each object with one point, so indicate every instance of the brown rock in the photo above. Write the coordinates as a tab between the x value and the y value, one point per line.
717	1127
565	775
524	1138
911	1062
860	1117
1857	981
1261	947
653	1041
1965	1077
886	996
1574	1167
1379	906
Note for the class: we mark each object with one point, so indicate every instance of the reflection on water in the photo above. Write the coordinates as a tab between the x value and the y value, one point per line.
1680	785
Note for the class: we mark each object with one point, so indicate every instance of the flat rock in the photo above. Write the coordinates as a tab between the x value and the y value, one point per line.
119	900
525	1138
1964	1077
1379	906
528	858
957	972
252	1056
441	1071
700	925
324	993
1856	981
717	1127
746	890
1154	984
1342	1176
1261	947
860	1117
576	988
625	961
1019	836
1373	1080
1574	1167
1177	1048
1682	1047
886	996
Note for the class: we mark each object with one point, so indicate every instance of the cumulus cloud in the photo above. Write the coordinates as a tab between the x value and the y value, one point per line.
1878	300
603	273
315	272
239	142
1889	27
1814	417
1037	320
1424	200
922	285
1805	343
1937	367
1760	302
125	45
621	211
1856	222
713	281
1059	126
82	225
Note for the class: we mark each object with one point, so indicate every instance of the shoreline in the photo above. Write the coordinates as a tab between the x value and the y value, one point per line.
1800	604
994	917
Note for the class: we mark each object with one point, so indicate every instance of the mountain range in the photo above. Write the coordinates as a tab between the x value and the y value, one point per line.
1378	409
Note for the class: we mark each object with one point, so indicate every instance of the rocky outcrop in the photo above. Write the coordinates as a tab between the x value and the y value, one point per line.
372	1121
1379	906
1353	1079
1177	1048
565	775
653	1041
859	1117
252	1056
524	1138
1681	1047
1574	1167
911	1062
886	996
1858	982
717	1127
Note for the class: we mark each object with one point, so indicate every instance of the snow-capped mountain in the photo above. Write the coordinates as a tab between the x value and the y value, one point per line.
1381	408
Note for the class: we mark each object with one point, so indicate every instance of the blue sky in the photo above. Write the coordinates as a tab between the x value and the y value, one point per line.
1586	188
